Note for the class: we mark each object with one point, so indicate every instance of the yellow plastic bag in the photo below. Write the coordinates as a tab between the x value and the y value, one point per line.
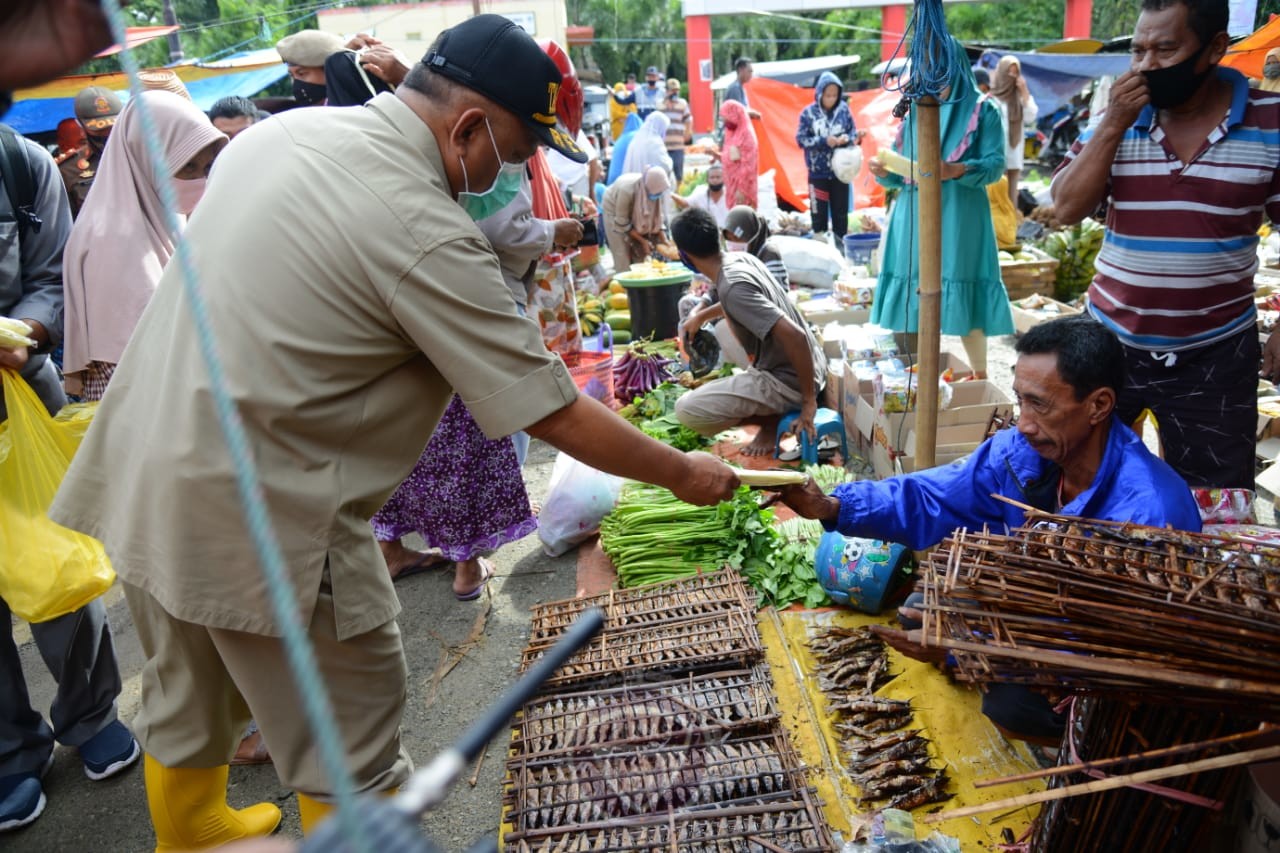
46	570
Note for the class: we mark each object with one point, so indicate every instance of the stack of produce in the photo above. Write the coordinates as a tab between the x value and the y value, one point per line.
1075	248
643	367
609	307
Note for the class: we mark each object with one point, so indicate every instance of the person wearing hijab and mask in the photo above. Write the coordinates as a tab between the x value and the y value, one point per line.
121	243
974	302
740	155
1019	111
633	216
304	54
1270	81
649	147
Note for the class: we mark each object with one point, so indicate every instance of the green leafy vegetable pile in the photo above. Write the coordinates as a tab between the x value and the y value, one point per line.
654	414
652	536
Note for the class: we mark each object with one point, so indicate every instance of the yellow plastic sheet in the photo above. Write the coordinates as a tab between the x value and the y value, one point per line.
46	570
963	740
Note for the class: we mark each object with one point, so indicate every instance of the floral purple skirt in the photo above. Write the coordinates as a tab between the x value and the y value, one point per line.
465	496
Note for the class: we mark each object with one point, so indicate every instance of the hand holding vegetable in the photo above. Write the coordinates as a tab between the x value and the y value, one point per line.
708	480
808	500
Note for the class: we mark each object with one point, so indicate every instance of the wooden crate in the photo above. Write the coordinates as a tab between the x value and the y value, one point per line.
1025	278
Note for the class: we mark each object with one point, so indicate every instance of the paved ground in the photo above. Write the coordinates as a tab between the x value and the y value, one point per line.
112	816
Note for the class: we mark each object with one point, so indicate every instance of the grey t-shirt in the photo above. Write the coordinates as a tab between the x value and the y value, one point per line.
753	303
737	92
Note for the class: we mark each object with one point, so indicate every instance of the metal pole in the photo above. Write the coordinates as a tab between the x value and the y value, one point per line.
175	43
929	148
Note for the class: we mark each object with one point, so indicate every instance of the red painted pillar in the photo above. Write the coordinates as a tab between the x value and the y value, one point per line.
697	38
1079	19
893	23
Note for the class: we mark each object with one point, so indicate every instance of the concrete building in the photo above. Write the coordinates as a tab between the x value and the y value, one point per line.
411	27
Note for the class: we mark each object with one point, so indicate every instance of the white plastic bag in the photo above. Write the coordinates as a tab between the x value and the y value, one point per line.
579	497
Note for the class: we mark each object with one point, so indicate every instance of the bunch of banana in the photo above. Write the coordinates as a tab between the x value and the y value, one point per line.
1076	248
591	311
14	334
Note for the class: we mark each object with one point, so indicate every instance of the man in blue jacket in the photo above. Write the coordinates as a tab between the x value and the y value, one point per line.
826	126
1068	455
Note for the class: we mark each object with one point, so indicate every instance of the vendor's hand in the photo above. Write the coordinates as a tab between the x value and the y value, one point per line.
951	171
754	114
834	142
707	480
14	359
875	167
803	424
691	325
910	643
808	500
1129	94
386	63
1271	359
589	208
645	246
568	233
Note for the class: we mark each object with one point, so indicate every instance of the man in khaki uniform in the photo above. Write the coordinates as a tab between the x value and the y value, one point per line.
344	334
96	110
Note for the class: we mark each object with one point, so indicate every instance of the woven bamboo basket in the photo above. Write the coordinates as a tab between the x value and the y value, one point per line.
1024	278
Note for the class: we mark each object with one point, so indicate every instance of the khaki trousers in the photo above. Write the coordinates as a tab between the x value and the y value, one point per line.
201	685
727	402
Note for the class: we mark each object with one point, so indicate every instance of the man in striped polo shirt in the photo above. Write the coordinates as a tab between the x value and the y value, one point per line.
1187	155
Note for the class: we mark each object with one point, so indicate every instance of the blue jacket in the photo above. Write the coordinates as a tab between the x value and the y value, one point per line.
816	124
921	509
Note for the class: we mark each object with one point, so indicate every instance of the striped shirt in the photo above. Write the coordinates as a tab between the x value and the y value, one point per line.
677	109
1180	248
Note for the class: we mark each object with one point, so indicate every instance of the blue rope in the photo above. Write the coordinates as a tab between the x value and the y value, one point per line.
315	699
933	66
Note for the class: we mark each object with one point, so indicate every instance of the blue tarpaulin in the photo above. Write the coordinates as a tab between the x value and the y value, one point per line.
38	115
1053	78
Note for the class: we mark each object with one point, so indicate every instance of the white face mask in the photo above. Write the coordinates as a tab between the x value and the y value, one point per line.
188	194
735	246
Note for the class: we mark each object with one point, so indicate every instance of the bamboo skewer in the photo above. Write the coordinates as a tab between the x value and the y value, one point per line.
1111	783
1065	769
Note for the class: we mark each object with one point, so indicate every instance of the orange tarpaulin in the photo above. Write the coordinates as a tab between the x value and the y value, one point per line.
135	36
781	103
1246	55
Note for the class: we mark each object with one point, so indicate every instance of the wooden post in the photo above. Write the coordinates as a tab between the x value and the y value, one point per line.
929	231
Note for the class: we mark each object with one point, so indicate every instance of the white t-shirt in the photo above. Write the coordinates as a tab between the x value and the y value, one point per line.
719	209
573	176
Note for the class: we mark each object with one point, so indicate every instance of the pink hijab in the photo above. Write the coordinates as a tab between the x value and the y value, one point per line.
741	176
119	244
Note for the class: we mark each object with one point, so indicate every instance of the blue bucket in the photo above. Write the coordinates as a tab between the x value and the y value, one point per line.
859	573
858	247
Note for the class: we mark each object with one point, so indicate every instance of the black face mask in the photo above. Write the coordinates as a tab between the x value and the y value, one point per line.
1172	86
715	188
308	93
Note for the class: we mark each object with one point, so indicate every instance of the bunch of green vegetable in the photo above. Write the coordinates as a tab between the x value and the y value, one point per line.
1076	249
652	536
654	414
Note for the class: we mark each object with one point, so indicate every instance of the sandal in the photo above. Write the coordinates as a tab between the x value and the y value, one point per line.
428	563
252	750
487	571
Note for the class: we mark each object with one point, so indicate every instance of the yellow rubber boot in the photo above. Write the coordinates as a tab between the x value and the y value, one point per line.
189	808
312	813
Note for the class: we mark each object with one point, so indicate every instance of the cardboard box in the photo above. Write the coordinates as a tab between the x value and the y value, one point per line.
828	310
833	391
971	403
1034	310
858	394
888	464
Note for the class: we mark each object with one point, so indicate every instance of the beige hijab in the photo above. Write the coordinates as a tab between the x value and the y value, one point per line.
1005	87
646	214
119	245
1270	85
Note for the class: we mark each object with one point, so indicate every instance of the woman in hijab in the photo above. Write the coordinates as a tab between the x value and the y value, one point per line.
120	243
740	155
649	147
1009	89
618	156
633	216
974	303
1270	81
